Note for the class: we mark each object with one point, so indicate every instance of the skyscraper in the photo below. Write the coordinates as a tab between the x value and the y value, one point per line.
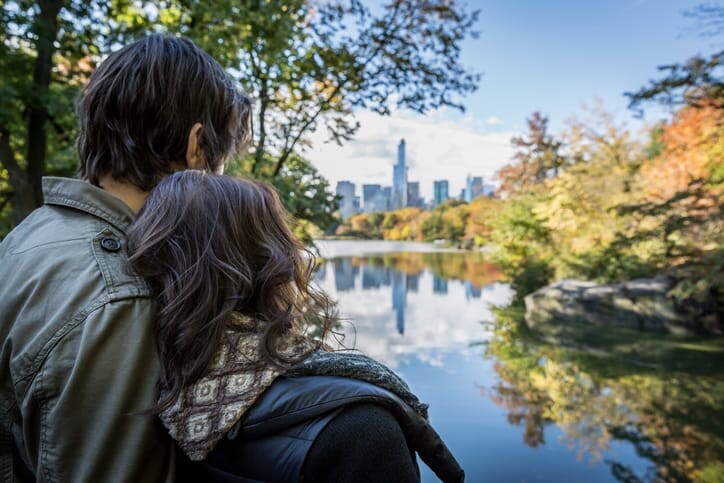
348	206
399	179
413	194
387	196
473	188
369	192
440	189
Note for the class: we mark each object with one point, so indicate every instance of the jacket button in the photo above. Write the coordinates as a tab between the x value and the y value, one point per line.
110	244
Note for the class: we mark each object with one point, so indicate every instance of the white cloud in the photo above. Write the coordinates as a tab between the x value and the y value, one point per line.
441	145
492	120
430	331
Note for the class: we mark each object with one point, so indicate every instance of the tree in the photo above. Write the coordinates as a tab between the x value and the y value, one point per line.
433	227
681	194
697	82
308	63
454	220
681	206
389	221
482	211
47	50
27	58
522	244
537	158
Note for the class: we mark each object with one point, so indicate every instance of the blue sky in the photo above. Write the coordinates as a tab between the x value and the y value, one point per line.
555	55
552	56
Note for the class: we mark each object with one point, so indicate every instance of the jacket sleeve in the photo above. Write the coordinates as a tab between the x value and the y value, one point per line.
100	371
363	443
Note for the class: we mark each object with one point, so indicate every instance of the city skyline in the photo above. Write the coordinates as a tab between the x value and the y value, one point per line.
375	198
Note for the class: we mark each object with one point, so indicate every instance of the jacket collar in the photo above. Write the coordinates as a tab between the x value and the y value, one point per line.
83	196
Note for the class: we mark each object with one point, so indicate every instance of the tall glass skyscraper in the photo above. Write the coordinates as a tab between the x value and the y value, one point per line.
399	179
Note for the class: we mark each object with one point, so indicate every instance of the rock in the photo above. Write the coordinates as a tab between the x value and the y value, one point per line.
638	304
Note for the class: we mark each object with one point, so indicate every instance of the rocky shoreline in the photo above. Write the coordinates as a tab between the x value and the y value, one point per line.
642	304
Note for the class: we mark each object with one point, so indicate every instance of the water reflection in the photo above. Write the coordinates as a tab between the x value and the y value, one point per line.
412	296
385	271
663	396
572	403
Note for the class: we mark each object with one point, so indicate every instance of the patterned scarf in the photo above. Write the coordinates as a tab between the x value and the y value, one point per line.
238	376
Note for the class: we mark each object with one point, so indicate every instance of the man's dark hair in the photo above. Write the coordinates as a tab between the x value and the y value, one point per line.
139	106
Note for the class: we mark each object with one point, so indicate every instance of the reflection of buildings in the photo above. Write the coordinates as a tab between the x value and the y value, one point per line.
399	296
384	289
321	273
439	285
471	291
375	277
344	274
413	282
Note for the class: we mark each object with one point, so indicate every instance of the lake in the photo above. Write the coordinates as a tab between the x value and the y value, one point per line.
574	404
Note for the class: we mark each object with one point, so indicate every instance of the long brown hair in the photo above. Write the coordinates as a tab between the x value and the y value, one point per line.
210	245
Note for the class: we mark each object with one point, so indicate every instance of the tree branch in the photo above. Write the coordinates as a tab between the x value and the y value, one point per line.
289	146
263	100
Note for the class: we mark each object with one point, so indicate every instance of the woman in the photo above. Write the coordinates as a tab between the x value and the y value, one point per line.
243	390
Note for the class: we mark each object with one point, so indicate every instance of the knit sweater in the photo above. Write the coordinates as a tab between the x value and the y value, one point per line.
238	376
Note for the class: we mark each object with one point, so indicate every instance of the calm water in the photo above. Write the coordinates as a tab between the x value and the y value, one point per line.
568	405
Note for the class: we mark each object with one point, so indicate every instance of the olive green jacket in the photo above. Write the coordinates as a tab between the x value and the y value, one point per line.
78	352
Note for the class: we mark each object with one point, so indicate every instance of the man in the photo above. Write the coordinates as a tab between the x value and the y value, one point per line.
78	362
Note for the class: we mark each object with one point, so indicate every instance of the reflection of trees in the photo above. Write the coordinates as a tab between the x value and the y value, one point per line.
525	404
672	417
447	265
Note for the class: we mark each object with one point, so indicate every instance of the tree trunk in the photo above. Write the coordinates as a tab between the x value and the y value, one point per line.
25	197
261	145
27	183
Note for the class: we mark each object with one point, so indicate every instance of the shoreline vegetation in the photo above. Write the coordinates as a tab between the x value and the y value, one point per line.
597	203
